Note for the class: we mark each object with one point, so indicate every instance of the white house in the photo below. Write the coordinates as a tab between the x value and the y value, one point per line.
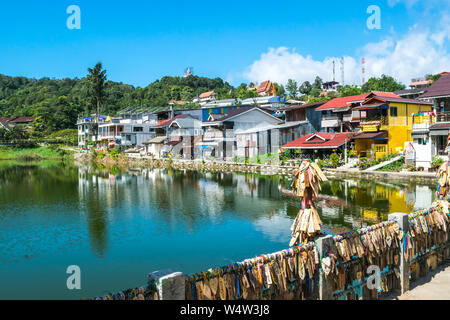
239	132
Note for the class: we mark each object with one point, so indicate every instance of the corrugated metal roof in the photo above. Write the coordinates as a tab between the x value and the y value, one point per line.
319	140
371	135
156	140
438	89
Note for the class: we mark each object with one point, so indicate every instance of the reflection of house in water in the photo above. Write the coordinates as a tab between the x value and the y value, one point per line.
424	197
181	198
369	202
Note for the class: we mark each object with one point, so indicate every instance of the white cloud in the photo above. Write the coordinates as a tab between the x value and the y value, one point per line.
282	63
408	3
417	53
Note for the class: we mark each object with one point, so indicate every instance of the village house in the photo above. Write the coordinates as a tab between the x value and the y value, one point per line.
387	125
87	129
320	144
184	133
338	114
219	107
175	136
9	123
300	120
242	132
205	98
109	132
430	129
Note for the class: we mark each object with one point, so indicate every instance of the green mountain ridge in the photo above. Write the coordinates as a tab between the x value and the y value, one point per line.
57	103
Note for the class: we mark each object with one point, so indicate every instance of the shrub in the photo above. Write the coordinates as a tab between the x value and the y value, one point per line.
114	153
436	161
352	154
334	158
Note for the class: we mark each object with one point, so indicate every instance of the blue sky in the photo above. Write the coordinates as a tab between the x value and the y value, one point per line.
141	41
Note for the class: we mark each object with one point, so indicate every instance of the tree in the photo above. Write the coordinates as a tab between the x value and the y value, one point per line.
434	77
317	83
292	88
347	90
96	88
315	92
305	88
279	89
384	83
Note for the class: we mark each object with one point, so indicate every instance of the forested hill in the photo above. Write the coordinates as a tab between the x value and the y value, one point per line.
57	103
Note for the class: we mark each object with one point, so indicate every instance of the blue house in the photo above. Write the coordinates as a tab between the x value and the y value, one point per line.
300	121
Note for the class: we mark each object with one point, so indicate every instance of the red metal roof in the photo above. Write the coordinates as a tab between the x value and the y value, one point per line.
6	119
167	123
319	140
23	119
393	99
347	101
206	94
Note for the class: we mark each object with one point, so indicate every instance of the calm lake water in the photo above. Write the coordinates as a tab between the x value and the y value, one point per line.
119	227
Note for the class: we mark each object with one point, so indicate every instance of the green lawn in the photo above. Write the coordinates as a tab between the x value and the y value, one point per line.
9	153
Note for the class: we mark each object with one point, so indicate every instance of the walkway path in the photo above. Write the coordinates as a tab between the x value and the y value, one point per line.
349	165
383	164
434	286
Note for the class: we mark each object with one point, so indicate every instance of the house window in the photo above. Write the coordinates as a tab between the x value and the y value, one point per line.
393	111
138	129
420	141
441	142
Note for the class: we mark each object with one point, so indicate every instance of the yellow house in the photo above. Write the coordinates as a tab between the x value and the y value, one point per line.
386	125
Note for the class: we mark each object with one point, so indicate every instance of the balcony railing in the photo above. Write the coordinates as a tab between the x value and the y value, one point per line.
421	126
375	121
443	116
347	118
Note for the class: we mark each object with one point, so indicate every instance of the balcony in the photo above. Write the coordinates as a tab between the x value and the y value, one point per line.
421	126
331	121
347	117
380	121
443	116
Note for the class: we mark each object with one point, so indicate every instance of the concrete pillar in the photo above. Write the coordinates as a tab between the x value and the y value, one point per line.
170	284
403	223
325	245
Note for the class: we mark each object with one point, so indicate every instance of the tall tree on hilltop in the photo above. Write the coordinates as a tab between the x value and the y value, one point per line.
292	88
317	83
279	89
305	88
384	83
96	89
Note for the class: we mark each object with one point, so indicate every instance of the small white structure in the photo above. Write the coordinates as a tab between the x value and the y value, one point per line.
155	146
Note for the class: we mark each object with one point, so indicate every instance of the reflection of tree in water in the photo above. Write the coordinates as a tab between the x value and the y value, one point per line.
97	220
37	181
